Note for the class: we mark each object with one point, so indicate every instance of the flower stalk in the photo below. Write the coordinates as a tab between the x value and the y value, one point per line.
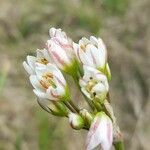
86	62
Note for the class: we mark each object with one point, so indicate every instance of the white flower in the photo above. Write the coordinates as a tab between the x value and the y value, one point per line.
42	58
94	84
49	83
61	49
100	133
76	121
91	52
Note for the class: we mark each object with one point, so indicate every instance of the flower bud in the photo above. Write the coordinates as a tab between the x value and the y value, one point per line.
58	109
100	133
86	116
55	108
61	50
76	121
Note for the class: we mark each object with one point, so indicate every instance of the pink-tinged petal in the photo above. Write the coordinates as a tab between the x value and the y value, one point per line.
100	133
59	82
65	45
58	54
51	95
28	68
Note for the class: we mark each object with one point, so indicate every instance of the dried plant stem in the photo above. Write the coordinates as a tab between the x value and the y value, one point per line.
118	140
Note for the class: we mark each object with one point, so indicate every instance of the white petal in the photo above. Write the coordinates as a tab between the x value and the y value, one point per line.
101	44
35	83
89	72
28	68
31	61
99	88
40	70
57	73
76	51
82	83
103	52
84	41
47	55
99	76
60	90
52	32
85	59
51	95
39	53
91	52
94	40
86	93
39	93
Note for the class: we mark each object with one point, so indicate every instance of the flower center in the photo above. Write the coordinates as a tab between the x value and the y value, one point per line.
43	61
83	47
91	83
47	81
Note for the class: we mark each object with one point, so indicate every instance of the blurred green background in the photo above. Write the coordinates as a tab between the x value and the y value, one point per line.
124	25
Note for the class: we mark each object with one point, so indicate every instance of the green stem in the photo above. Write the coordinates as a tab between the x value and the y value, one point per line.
69	107
74	106
119	145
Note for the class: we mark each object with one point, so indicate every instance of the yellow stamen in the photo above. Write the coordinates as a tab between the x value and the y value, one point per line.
83	47
43	61
47	80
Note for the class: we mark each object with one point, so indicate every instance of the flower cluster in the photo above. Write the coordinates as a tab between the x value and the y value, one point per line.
86	62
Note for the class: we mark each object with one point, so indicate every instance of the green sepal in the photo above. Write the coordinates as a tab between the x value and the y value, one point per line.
58	109
72	69
66	96
106	70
